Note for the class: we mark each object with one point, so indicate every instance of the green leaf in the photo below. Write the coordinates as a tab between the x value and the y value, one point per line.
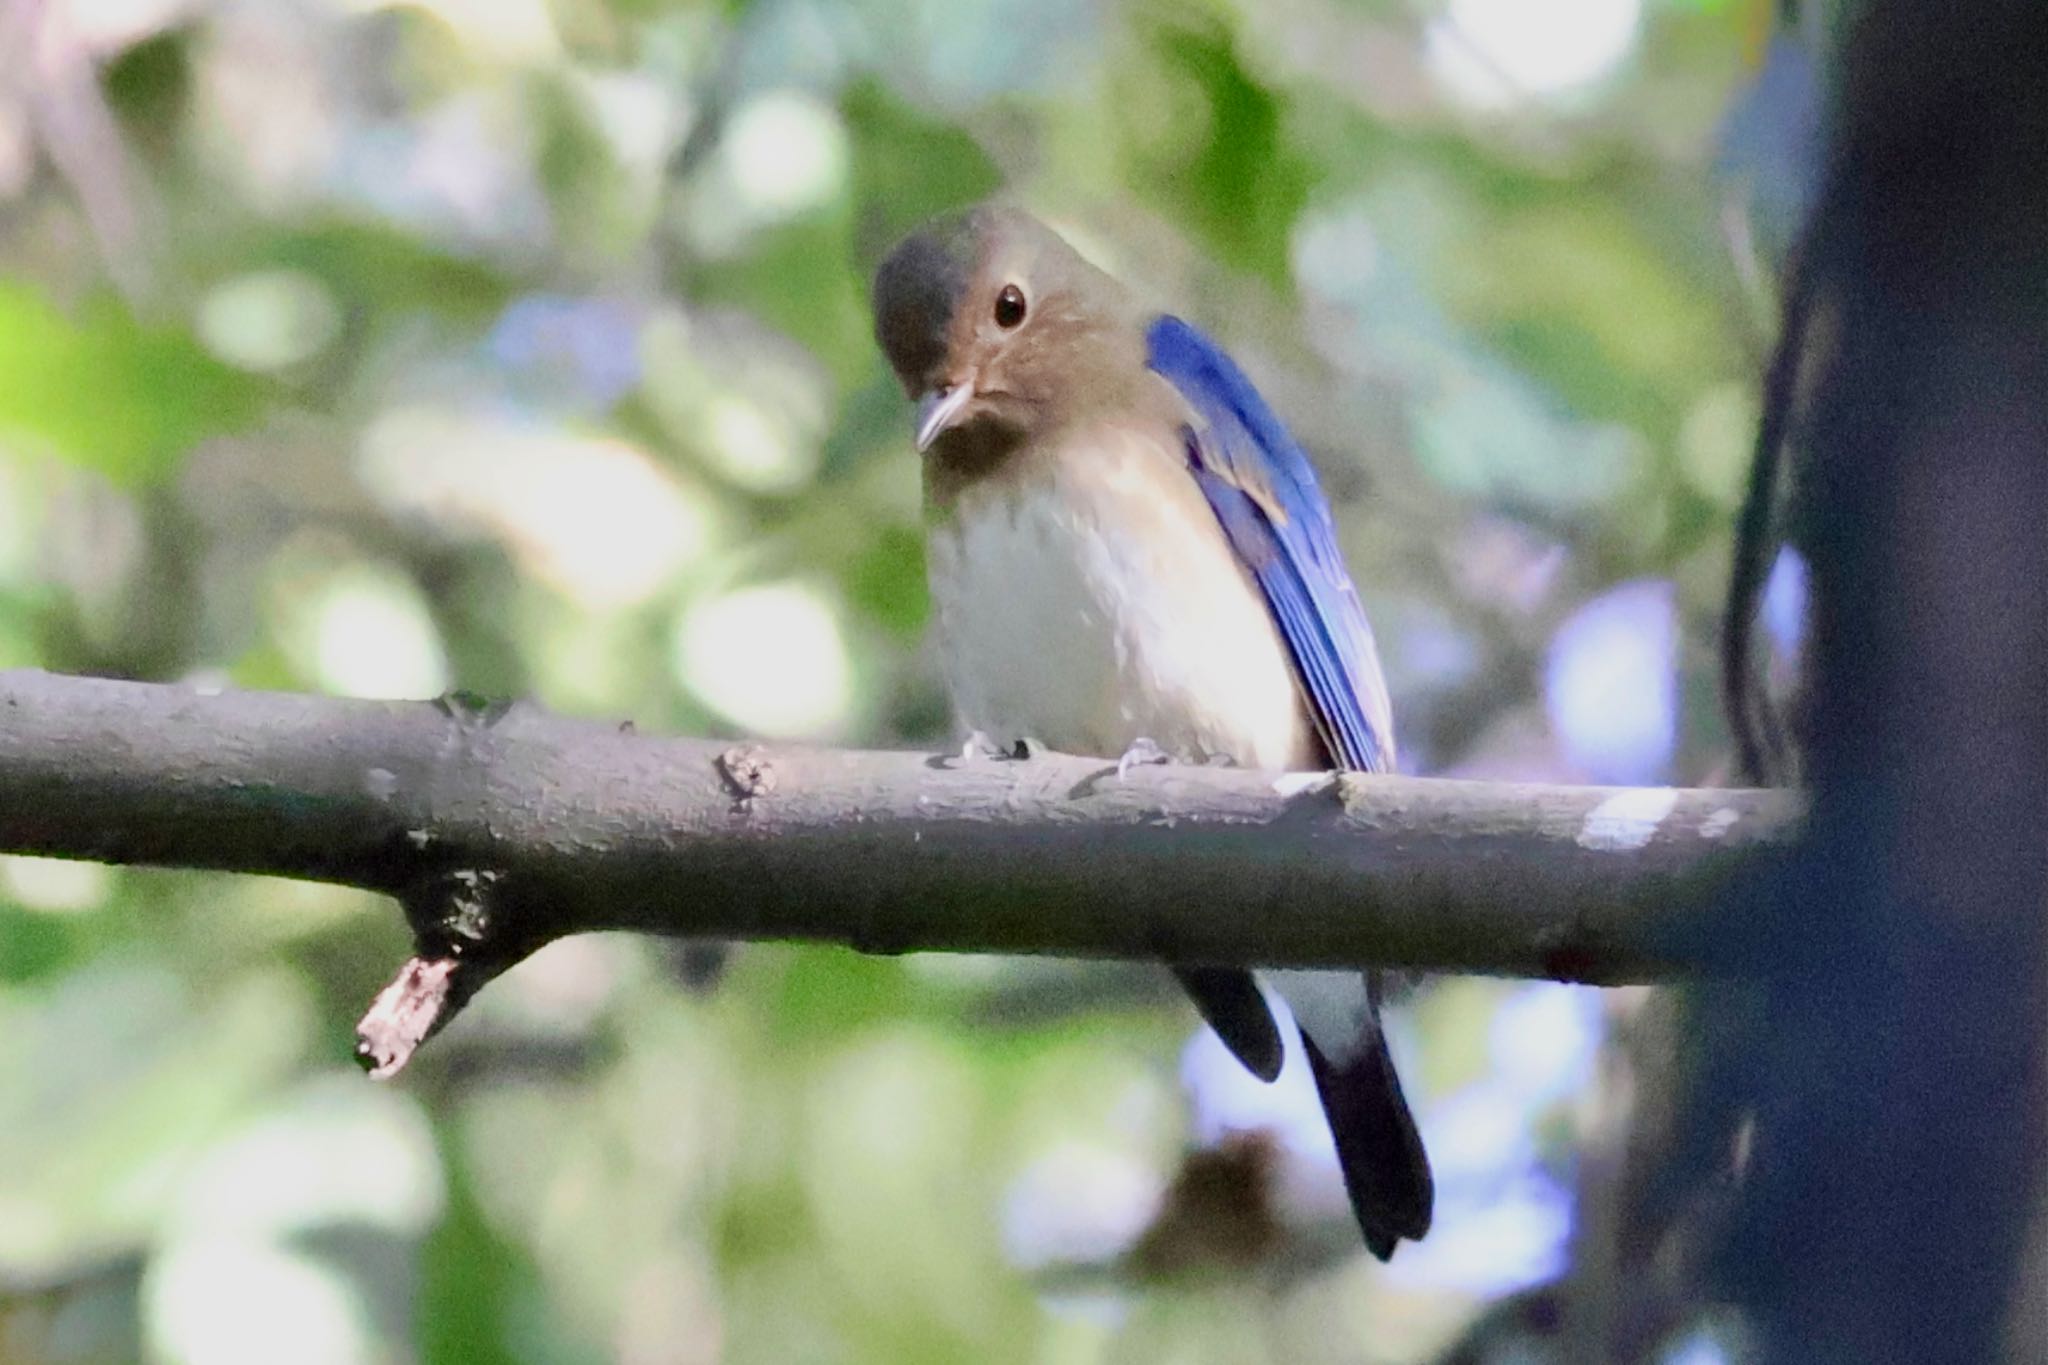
105	391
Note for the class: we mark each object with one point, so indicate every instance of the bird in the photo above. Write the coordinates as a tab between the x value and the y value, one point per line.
1129	557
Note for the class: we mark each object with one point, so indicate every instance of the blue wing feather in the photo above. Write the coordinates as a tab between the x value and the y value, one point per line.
1264	493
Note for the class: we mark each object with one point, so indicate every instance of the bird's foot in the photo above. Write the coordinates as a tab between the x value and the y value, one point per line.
1142	751
979	747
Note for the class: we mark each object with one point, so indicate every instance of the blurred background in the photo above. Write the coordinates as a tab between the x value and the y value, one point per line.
521	346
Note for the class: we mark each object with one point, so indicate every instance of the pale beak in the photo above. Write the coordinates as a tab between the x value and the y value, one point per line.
941	408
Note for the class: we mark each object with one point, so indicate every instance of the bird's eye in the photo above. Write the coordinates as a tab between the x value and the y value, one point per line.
1009	307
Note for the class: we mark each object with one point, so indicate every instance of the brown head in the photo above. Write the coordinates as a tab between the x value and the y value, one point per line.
1000	332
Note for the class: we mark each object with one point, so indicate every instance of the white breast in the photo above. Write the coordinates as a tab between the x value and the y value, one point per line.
1087	606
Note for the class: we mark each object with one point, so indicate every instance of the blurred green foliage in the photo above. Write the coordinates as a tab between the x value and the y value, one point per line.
105	391
523	347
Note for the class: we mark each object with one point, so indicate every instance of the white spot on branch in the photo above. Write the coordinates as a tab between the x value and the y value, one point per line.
1718	824
1294	784
1628	819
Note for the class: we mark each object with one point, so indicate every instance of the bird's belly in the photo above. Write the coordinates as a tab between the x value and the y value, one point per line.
1088	613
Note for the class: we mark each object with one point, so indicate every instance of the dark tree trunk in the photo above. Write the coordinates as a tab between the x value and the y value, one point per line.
1899	1137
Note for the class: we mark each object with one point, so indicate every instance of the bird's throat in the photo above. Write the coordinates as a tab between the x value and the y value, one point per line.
969	455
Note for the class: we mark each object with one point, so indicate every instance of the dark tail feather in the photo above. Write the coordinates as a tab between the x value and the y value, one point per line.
1386	1171
1228	1000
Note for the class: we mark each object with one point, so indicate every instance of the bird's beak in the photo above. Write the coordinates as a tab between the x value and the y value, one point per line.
940	408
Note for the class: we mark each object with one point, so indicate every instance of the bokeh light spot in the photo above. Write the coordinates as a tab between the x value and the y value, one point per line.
755	451
786	152
595	517
334	1154
1497	53
771	659
372	636
1786	595
231	1301
268	319
1611	683
1078	1203
1714	442
57	886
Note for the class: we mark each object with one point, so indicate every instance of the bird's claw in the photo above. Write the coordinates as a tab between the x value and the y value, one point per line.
979	746
1142	751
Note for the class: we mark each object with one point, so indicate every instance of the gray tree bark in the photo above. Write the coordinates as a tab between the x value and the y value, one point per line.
503	828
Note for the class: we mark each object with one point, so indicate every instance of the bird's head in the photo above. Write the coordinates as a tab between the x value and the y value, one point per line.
999	330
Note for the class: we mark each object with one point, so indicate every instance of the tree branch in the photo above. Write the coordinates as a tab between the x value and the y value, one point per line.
503	828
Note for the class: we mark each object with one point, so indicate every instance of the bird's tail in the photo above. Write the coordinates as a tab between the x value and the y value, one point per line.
1386	1170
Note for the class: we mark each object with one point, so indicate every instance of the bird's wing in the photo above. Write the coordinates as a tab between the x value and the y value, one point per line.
1264	494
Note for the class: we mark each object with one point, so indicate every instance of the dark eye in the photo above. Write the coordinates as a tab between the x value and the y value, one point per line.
1009	307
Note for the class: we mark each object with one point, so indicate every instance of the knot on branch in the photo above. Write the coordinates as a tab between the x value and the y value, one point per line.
466	931
456	910
748	772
